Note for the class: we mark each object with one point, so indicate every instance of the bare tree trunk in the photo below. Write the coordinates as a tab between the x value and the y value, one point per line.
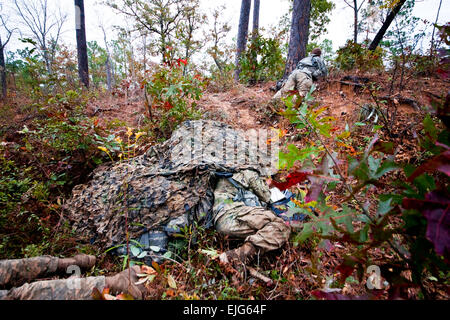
299	34
355	27
109	77
355	16
83	67
145	50
256	5
242	35
379	36
42	23
2	58
2	70
47	59
434	29
108	74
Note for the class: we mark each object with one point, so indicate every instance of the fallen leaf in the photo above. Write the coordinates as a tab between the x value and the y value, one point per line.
124	296
156	267
148	270
171	282
109	297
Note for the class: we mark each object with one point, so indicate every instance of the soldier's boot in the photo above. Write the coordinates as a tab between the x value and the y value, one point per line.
243	254
125	282
84	261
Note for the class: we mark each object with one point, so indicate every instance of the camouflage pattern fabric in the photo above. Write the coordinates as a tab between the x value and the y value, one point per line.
313	66
255	224
16	272
298	80
169	180
64	289
308	69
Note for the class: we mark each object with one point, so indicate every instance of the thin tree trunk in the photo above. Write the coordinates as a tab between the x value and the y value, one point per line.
355	27
3	70
109	77
47	60
256	5
108	74
242	35
434	29
83	67
299	34
379	36
145	51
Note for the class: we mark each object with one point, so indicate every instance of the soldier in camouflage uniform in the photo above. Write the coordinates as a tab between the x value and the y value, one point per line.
173	179
170	181
301	79
15	275
239	212
16	272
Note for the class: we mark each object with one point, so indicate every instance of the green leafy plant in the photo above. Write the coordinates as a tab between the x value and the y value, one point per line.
411	221
172	96
262	60
357	56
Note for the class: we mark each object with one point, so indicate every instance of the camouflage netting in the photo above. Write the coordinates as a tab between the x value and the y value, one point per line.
170	179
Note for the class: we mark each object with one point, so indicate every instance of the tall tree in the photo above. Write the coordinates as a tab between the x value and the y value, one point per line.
299	34
356	9
256	5
83	66
242	35
434	29
109	72
9	33
160	17
319	18
44	25
216	34
390	17
193	21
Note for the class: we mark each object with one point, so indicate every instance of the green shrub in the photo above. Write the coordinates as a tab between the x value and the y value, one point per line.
262	61
221	80
357	56
173	95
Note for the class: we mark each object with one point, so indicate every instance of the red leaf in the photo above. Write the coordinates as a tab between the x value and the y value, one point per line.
292	179
435	209
183	61
167	105
345	270
439	163
347	267
314	191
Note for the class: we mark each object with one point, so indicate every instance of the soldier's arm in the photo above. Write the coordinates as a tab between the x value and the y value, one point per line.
64	289
19	271
257	184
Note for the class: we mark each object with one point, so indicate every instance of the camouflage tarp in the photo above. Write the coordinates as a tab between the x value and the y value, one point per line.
169	180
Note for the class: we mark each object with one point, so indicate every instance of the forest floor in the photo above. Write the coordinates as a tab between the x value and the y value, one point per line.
295	271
